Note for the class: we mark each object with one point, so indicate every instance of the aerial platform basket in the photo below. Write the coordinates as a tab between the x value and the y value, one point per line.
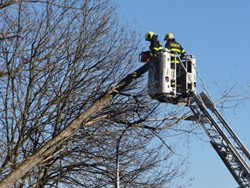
171	82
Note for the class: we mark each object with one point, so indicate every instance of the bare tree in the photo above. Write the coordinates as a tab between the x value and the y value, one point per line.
57	58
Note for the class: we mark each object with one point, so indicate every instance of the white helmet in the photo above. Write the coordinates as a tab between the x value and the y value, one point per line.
169	36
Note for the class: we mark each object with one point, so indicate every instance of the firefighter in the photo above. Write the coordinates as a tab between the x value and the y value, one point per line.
175	49
155	45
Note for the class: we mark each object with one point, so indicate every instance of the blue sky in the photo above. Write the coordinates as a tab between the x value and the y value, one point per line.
217	32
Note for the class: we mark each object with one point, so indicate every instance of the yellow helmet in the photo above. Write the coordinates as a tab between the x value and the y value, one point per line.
169	36
149	35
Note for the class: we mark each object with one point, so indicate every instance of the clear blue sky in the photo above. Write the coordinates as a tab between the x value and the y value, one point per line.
217	32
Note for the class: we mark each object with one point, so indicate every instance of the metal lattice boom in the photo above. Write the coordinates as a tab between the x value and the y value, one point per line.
223	139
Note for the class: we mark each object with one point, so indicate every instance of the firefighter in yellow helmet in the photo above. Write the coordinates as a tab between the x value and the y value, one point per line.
176	49
155	45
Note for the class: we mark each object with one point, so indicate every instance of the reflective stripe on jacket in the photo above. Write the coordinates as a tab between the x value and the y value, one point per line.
155	44
174	47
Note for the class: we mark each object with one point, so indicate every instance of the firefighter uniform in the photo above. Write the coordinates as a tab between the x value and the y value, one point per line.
175	49
155	45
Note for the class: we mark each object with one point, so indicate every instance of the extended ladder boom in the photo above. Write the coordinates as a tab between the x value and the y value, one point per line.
228	146
177	84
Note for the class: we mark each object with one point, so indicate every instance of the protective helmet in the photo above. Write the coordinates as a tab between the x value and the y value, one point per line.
169	36
149	35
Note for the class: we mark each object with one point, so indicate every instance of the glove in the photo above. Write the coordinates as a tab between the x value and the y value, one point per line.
184	56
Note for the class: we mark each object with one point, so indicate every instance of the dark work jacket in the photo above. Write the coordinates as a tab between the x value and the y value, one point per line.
175	47
155	45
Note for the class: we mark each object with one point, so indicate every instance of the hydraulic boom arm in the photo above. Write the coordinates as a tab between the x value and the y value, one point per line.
223	139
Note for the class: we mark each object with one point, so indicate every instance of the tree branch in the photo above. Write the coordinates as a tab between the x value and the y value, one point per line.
50	147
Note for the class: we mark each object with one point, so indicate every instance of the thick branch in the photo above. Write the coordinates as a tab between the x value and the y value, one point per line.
61	139
7	3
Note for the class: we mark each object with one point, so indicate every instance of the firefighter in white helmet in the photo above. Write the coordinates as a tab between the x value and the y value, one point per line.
174	47
176	50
